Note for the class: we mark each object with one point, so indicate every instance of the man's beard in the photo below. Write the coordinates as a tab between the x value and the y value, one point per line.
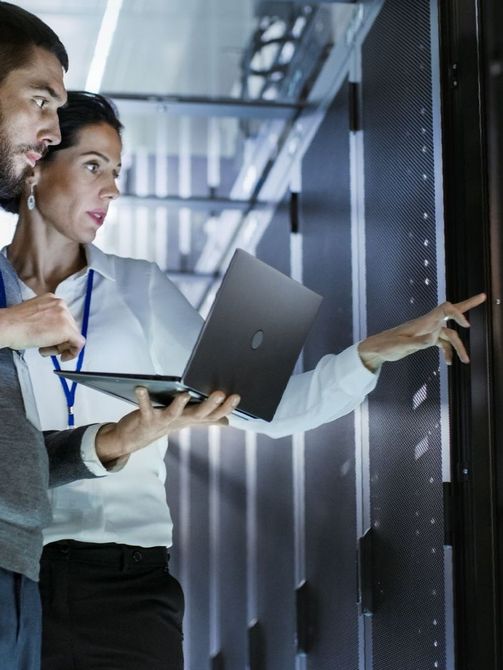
12	184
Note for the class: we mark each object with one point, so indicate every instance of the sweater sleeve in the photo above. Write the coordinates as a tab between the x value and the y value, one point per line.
66	463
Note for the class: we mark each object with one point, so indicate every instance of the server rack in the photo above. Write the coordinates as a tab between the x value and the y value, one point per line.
405	490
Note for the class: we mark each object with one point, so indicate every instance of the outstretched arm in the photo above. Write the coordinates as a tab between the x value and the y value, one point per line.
339	383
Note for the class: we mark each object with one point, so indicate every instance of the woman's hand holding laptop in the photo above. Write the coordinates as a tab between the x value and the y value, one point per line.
115	441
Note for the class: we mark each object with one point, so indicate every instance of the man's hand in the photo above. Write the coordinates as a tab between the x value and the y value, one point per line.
45	322
147	424
426	331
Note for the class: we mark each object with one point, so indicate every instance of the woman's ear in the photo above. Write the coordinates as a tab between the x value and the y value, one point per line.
33	178
29	188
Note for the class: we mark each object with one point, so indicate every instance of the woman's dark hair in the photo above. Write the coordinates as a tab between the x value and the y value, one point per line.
20	31
82	109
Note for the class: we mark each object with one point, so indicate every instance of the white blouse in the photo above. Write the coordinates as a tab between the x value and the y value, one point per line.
141	323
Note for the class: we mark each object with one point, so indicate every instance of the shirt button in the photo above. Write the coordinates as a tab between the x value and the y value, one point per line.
137	556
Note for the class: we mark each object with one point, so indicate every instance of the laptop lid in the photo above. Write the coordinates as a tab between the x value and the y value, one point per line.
253	335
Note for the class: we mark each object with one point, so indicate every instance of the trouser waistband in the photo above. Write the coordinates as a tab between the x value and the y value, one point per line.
106	553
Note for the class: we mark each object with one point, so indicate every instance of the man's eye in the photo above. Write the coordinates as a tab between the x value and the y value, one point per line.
92	167
40	102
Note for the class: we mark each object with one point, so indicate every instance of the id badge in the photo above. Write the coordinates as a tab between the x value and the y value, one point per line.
30	406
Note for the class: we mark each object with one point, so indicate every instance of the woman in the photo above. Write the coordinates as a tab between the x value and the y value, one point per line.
108	598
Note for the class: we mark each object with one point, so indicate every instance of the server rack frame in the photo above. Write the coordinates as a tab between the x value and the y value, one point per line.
471	99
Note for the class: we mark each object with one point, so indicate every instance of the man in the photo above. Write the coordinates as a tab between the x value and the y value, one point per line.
32	60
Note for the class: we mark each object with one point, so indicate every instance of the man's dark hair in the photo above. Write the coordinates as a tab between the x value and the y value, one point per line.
20	32
82	109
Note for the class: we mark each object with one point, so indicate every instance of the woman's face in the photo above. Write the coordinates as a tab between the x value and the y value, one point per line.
74	189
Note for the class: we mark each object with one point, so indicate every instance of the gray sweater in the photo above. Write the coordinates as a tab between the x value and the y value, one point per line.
30	461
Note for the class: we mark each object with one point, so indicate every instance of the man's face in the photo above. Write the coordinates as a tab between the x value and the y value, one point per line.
29	100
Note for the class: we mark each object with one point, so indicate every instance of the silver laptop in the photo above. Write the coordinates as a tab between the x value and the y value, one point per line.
249	344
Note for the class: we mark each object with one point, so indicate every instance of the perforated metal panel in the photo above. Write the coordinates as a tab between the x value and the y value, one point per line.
329	450
405	412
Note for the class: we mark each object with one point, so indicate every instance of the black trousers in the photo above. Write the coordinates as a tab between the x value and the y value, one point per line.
109	607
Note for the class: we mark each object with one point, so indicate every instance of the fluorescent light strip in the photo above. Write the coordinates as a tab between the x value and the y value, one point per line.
161	157
103	45
213	153
185	186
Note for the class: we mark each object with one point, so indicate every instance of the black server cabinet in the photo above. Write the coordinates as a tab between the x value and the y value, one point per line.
472	117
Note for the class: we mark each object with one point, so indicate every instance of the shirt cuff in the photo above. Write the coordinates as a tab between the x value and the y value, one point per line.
90	457
353	376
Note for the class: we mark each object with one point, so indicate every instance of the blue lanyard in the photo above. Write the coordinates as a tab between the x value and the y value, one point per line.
3	297
70	391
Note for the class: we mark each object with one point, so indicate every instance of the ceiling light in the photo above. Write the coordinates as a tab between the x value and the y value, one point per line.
276	30
103	45
287	53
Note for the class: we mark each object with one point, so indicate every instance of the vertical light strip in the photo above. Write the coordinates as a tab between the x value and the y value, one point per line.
251	525
184	186
185	548
161	191
441	288
359	295
214	152
103	45
214	520
439	228
161	156
161	237
141	233
127	227
140	245
298	444
141	171
298	440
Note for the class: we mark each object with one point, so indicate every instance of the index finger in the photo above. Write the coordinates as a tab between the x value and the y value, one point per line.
470	303
455	311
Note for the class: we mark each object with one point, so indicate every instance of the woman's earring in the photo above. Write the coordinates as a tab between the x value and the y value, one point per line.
30	200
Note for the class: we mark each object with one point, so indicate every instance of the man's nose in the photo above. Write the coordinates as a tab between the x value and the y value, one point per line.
51	133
